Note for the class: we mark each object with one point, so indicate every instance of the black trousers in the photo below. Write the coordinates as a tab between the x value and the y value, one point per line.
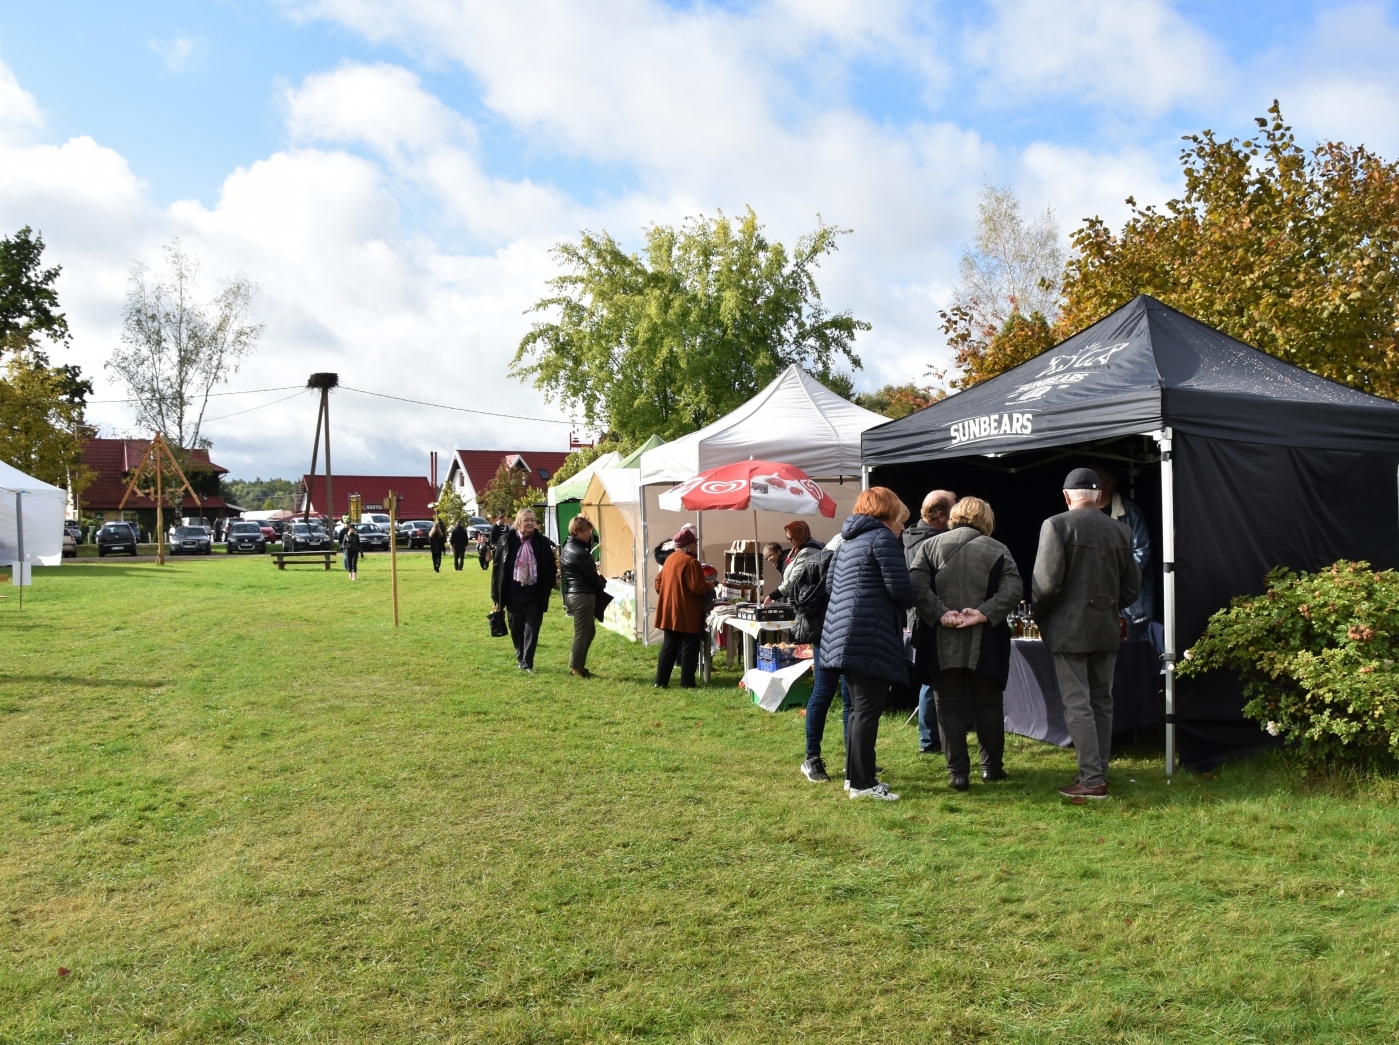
459	554
525	614
965	701
436	559
868	698
685	646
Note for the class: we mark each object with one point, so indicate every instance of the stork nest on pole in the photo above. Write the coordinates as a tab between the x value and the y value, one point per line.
324	382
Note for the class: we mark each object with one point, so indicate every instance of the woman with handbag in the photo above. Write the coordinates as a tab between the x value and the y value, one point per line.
583	588
522	581
964	653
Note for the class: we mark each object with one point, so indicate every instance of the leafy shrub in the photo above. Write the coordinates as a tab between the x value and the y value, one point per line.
1317	655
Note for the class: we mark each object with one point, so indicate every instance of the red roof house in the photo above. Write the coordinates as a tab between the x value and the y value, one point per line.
415	494
113	461
471	471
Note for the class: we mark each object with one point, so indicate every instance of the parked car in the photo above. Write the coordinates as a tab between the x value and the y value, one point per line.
372	538
190	540
247	537
415	533
74	531
70	546
277	526
379	519
116	537
304	537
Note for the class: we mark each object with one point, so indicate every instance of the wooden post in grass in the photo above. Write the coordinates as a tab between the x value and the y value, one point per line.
159	451
391	503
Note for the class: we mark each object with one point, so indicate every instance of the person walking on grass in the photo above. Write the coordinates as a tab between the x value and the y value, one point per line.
966	657
932	520
680	589
459	542
582	588
1085	576
350	548
522	581
863	637
437	542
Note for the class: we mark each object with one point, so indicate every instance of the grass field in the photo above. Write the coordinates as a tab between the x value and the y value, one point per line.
239	807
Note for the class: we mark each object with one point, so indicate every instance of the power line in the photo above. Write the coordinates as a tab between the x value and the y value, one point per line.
460	409
246	391
209	420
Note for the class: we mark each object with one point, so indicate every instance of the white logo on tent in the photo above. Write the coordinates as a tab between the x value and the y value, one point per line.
989	425
1065	370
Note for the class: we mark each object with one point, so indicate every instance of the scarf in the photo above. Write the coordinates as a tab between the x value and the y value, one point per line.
526	569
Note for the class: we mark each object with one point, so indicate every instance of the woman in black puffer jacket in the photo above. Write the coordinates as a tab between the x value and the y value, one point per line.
863	635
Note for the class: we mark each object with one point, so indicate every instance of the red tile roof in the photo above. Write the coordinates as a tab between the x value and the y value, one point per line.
114	459
481	465
416	494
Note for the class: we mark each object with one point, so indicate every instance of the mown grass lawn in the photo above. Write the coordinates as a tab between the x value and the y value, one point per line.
239	807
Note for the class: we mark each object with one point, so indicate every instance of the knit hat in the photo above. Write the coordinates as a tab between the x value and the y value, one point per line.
685	536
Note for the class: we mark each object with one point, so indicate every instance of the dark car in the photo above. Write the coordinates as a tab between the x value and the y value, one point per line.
74	531
476	526
190	540
116	537
372	538
277	526
415	533
303	537
247	537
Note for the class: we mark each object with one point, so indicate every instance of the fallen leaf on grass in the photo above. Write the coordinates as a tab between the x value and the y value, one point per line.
63	972
655	725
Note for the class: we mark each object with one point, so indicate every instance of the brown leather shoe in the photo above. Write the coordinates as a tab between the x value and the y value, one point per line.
1077	790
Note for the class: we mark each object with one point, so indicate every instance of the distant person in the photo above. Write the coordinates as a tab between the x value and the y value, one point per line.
582	584
437	544
522	582
1084	574
967	584
460	539
932	520
681	588
350	549
870	594
1126	511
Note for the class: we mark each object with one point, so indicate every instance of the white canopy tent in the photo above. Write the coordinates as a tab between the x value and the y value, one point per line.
31	514
795	420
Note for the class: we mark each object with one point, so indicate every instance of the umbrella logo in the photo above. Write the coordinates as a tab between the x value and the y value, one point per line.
721	486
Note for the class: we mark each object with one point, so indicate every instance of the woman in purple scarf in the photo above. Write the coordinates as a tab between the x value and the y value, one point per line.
522	580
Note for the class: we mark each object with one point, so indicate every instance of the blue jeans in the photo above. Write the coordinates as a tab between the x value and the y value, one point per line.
928	736
823	691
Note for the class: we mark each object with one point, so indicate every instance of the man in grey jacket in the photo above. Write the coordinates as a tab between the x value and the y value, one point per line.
1085	575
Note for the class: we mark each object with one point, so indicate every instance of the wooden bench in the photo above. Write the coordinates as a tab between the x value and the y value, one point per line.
282	558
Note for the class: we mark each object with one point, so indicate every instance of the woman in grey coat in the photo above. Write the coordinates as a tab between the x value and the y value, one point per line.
966	585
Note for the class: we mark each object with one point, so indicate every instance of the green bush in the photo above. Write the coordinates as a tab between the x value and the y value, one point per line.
1316	652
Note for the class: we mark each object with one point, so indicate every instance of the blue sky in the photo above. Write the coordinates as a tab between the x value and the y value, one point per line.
394	174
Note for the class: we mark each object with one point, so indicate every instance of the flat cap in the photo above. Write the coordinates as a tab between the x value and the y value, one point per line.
1082	479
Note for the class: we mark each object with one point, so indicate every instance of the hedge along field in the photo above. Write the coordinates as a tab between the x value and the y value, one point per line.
238	806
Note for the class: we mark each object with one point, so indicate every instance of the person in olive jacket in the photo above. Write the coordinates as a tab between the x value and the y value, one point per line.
460	540
1085	576
967	584
522	580
583	586
863	634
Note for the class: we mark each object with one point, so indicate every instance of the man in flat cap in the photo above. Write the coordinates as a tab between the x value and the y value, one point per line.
1084	576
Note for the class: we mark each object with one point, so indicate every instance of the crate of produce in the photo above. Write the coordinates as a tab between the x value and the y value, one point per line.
775	657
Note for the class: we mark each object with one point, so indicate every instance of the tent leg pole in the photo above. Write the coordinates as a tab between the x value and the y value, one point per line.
641	578
707	649
1168	591
19	541
864	477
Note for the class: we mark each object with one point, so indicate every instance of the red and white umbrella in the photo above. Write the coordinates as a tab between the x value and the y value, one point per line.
764	486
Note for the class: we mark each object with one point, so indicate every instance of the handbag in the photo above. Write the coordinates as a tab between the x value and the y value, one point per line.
496	618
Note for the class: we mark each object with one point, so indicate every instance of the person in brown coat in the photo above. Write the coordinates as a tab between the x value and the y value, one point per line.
680	588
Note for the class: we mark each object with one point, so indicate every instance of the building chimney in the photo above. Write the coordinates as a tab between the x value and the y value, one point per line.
432	468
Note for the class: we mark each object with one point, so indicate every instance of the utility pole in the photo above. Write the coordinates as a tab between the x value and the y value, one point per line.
324	382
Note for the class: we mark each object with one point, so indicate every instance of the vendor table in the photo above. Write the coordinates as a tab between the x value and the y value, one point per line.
752	631
1034	708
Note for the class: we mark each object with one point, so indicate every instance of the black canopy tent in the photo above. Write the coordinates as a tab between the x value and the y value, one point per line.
1242	462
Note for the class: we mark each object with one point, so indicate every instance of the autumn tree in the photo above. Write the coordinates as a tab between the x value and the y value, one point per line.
507	492
898	400
1290	250
1007	290
666	341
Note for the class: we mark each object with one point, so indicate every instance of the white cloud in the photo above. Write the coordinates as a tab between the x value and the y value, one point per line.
1117	54
19	112
177	51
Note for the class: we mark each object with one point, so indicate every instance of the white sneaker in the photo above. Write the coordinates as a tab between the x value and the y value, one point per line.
879	791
